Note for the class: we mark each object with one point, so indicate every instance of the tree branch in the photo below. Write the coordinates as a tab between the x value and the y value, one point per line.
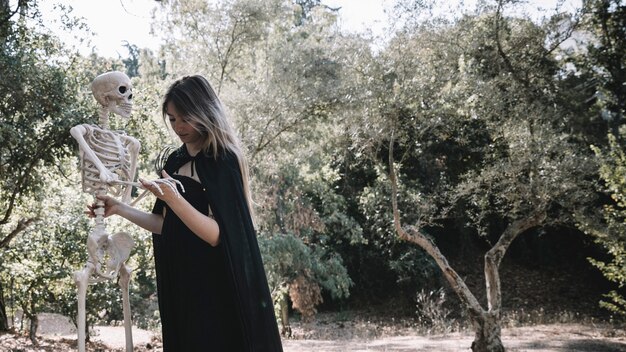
21	226
494	256
413	234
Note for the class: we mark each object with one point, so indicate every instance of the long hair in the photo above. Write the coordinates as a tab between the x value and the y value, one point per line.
196	100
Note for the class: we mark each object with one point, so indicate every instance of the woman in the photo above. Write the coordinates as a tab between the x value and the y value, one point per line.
212	288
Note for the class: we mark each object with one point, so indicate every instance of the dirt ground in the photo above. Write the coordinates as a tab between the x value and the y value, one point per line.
58	334
545	338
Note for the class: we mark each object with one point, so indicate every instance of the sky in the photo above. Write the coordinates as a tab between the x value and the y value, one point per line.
117	21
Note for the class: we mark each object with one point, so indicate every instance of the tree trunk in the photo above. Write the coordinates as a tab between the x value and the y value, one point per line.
4	320
285	329
496	253
32	332
487	338
22	224
31	315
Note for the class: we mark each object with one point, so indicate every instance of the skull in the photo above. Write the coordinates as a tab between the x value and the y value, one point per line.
114	91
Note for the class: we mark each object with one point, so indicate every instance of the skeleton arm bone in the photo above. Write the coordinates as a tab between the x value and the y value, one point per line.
134	154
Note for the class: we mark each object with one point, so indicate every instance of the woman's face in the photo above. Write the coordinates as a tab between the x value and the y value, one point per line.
184	128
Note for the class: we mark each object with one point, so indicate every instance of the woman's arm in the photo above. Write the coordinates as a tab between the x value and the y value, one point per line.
201	225
112	206
149	221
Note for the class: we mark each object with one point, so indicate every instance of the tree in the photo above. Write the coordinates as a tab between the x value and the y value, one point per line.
214	38
39	103
489	117
40	262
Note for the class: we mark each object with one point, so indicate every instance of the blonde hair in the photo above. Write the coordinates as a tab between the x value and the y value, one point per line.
195	99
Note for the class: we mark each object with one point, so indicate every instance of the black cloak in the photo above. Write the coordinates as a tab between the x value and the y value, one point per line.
223	188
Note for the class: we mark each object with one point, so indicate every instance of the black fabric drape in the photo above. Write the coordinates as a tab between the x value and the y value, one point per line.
223	186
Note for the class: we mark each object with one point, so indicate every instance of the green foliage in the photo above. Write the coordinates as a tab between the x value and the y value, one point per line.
531	160
605	22
478	145
217	40
286	257
612	233
302	223
39	106
39	263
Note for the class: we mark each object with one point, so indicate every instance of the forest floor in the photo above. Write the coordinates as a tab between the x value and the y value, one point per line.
333	332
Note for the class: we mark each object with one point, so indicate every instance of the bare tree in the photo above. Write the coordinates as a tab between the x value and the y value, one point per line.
486	322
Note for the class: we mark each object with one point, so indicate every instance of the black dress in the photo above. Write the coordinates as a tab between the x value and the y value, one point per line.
236	261
195	298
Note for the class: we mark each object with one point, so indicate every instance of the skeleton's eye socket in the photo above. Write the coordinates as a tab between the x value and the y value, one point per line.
122	89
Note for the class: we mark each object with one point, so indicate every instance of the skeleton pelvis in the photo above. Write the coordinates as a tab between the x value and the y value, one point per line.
111	250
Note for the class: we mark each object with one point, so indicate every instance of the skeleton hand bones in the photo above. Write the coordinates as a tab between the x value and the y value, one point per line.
154	186
166	193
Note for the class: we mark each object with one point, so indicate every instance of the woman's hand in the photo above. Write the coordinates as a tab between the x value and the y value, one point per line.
111	206
164	189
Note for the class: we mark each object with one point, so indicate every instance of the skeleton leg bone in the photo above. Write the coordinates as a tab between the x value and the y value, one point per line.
82	282
124	281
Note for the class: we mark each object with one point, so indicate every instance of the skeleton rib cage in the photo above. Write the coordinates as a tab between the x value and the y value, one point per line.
111	148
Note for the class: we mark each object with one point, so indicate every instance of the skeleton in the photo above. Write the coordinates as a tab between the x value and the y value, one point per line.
108	165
